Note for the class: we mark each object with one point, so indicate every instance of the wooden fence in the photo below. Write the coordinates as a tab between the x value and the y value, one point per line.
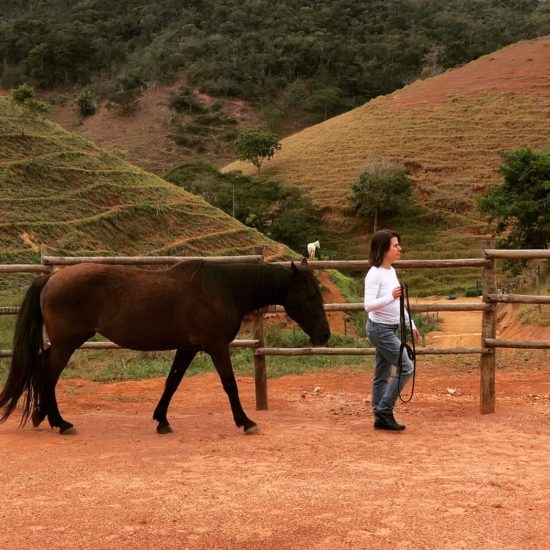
490	299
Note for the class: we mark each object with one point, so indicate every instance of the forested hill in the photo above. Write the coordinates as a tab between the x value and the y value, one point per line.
324	57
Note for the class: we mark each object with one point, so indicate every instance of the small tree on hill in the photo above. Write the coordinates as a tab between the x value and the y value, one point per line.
520	207
384	187
328	101
255	145
24	96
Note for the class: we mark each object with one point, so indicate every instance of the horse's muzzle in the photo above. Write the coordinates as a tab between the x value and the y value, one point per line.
320	340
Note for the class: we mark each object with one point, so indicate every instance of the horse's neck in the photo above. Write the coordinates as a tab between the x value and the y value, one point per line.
258	286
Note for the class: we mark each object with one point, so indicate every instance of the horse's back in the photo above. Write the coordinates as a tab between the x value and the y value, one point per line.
136	308
101	284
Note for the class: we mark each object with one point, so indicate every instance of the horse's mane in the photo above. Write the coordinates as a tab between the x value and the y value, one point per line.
241	280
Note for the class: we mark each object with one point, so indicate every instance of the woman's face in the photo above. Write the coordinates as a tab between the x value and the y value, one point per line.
394	252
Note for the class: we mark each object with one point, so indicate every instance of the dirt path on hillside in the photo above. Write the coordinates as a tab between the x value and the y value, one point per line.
456	328
317	476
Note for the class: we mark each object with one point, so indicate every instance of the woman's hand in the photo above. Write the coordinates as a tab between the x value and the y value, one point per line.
416	335
396	292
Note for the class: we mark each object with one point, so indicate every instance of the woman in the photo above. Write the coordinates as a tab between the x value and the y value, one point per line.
382	293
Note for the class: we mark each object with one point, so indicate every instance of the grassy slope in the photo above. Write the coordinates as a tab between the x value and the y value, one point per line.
60	190
448	130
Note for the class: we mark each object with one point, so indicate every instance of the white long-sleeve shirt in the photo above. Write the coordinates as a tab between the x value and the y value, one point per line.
382	307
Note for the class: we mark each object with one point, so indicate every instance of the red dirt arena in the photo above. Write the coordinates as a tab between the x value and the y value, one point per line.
317	476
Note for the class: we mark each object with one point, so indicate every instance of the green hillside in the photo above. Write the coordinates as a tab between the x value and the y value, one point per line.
60	190
447	130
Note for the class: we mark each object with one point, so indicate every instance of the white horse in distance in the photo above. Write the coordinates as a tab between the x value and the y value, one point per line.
311	248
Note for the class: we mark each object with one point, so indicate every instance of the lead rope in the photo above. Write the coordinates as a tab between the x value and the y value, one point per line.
411	351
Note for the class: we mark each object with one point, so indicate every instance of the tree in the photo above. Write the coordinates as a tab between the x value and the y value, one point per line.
85	101
256	145
185	101
328	101
520	207
384	187
24	96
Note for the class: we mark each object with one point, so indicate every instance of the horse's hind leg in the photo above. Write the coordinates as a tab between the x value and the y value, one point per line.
181	361
55	360
222	362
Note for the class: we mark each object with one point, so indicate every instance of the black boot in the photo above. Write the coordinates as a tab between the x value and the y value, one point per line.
386	421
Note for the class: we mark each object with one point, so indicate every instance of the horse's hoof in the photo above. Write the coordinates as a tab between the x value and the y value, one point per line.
252	430
71	430
37	418
167	429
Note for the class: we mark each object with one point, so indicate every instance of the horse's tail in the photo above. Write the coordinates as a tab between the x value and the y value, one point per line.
28	345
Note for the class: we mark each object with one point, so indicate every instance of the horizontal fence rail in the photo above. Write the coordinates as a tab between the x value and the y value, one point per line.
363	265
538	254
146	260
487	305
250	343
362	351
518	344
112	345
518	299
415	308
23	268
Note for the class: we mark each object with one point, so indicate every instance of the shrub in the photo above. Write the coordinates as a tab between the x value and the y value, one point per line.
185	101
85	101
197	129
183	141
24	96
22	93
426	323
472	292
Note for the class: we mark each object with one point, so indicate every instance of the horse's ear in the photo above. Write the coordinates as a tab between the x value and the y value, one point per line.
304	262
294	268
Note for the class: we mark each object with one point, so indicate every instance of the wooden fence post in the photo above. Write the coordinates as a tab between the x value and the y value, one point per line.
47	251
260	370
488	330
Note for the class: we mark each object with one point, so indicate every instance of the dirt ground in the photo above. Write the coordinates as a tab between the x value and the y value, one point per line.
316	476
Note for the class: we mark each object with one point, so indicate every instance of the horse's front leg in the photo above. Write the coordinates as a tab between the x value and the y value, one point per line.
181	361
222	362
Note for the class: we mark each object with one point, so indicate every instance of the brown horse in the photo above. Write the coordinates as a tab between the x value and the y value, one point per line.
192	306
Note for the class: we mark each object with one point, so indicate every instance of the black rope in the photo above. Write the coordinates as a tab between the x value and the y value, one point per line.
411	350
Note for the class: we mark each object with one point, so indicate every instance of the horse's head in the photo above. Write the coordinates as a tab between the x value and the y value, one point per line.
304	304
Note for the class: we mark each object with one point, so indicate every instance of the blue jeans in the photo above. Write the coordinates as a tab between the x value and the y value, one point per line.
386	384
